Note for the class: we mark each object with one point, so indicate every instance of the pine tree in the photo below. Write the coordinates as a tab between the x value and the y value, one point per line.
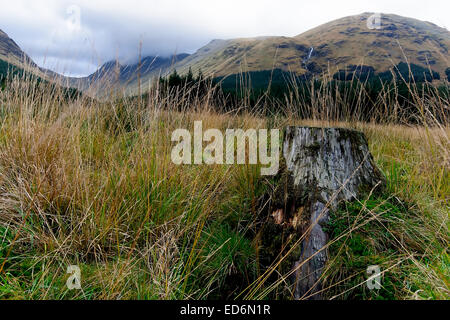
190	77
174	79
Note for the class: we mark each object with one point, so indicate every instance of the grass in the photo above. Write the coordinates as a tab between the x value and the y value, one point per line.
91	183
390	234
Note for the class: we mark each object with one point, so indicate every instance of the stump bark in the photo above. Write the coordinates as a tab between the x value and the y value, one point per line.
323	166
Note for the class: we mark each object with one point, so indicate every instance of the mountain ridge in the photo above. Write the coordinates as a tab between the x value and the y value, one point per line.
333	47
10	51
330	48
114	74
325	39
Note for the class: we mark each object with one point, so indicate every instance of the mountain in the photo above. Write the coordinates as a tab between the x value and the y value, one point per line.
339	48
11	54
348	41
113	75
109	75
15	62
342	45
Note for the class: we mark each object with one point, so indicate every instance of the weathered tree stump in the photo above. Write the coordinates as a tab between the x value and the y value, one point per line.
323	166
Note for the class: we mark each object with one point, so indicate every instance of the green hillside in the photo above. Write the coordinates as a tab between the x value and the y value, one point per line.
8	72
330	48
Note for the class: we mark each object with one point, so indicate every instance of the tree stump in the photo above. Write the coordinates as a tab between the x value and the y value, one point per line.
323	166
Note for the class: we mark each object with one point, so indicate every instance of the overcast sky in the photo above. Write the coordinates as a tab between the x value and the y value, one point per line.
75	36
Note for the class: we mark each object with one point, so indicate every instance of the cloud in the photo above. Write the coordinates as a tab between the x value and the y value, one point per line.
51	33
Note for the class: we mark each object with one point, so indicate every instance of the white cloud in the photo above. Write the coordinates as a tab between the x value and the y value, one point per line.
109	29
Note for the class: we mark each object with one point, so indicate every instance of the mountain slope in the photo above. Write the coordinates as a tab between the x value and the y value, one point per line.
14	62
349	41
10	51
113	75
336	47
109	75
330	47
12	54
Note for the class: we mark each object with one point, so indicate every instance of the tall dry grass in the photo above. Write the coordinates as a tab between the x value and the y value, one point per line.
91	183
